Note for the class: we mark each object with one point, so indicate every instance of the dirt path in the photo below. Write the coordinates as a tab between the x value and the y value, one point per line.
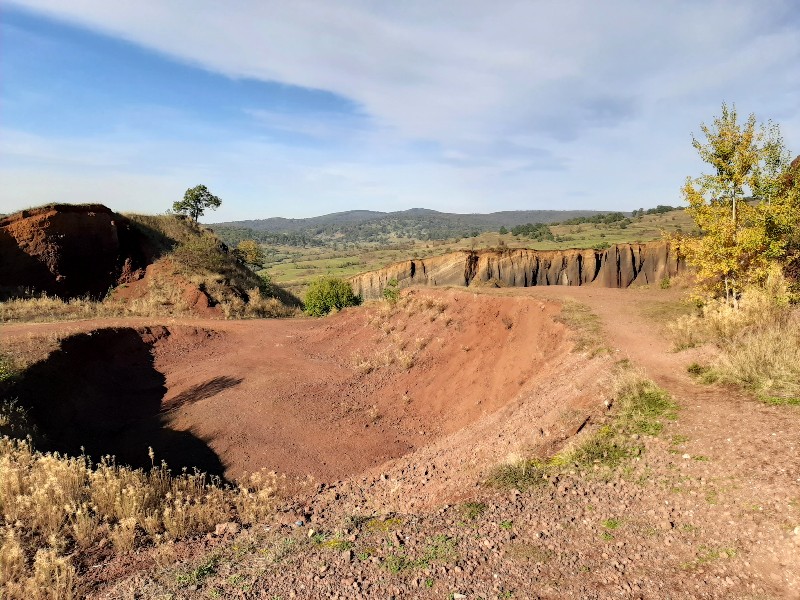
753	449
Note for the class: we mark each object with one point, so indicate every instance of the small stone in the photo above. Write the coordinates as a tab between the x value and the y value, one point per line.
226	528
460	596
686	456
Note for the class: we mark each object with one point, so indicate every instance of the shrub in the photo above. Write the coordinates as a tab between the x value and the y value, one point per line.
327	294
6	368
391	292
758	342
56	508
203	252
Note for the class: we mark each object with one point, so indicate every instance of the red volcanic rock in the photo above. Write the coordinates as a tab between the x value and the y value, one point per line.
69	251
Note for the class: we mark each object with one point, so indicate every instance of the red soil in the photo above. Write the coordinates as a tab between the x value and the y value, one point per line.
295	396
69	251
708	512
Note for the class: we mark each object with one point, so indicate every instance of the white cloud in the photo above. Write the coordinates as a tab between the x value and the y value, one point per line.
436	69
525	100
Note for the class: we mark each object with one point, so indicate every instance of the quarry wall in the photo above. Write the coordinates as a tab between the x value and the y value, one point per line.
68	251
618	266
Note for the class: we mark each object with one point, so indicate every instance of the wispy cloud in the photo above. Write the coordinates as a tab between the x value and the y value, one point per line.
518	103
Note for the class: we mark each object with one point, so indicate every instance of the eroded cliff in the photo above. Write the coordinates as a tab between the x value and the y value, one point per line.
618	266
68	251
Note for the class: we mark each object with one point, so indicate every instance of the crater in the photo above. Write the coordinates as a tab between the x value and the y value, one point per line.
101	393
329	397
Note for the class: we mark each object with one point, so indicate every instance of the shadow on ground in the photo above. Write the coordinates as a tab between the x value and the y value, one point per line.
101	394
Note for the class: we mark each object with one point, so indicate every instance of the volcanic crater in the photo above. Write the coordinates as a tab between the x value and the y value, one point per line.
327	398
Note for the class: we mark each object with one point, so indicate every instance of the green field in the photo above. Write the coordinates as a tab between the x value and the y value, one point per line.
293	267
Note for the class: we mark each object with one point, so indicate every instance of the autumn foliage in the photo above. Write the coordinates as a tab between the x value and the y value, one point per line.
747	208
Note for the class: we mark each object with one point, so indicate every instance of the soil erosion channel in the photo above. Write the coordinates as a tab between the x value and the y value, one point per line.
328	397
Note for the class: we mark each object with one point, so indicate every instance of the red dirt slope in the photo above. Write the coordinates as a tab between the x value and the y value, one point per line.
328	397
69	251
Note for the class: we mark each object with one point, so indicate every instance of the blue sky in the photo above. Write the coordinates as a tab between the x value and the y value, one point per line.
302	108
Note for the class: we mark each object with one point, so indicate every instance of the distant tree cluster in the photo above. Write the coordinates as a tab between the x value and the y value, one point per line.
535	231
658	210
601	219
235	235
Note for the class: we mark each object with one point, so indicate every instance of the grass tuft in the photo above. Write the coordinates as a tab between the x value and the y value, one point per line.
586	327
642	409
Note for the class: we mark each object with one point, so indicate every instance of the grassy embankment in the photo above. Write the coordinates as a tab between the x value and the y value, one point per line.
757	345
187	255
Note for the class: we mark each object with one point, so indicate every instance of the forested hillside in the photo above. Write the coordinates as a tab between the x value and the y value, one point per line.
373	226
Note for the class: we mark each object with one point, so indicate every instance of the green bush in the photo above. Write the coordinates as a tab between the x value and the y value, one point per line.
391	293
204	252
327	294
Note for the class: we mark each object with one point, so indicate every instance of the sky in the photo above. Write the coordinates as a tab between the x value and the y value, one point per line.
300	108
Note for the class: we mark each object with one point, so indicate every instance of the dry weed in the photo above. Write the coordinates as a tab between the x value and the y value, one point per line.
123	535
759	340
49	503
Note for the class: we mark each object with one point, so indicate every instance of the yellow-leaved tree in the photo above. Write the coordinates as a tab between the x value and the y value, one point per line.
747	208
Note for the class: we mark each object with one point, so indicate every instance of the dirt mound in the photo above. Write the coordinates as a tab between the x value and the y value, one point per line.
69	251
152	264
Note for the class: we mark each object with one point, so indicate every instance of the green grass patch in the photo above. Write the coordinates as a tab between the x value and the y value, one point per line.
7	368
337	544
384	525
199	573
703	373
440	548
586	327
707	554
642	409
472	510
779	401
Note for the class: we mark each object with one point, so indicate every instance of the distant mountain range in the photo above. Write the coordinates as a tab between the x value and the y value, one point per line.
369	226
423	216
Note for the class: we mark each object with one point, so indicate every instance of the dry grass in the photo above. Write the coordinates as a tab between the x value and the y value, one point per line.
759	341
52	506
585	326
188	254
393	317
258	306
